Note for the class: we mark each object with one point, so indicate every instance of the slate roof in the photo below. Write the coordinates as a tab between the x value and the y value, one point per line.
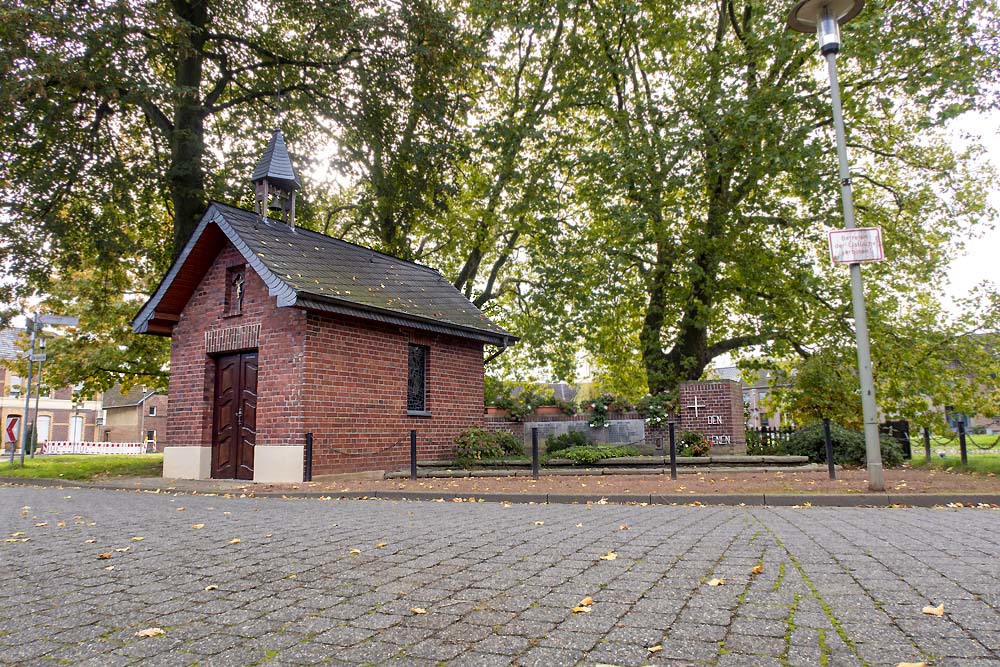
310	270
114	398
8	344
275	165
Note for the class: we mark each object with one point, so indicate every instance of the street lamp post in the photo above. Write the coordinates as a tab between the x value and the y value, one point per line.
824	17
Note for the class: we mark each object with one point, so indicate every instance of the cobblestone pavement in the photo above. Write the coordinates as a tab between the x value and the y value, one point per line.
336	583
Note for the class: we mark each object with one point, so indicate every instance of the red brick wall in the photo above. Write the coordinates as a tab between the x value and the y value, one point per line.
720	412
192	370
355	378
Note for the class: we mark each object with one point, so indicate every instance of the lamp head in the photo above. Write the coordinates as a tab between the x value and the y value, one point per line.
824	17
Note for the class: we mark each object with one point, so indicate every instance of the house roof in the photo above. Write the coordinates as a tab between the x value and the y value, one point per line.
114	398
275	165
309	270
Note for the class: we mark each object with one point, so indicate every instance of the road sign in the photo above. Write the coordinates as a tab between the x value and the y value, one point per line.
851	246
58	320
38	356
11	428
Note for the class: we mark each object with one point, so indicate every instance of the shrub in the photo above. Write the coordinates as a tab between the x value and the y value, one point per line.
848	446
693	444
566	440
510	445
595	453
475	444
757	447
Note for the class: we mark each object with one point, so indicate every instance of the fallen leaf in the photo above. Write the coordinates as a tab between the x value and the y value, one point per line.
611	555
61	524
17	534
211	587
757	569
655	649
716	582
539	523
109	568
151	632
123	550
934	611
381	544
235	540
138	539
579	525
90	541
42	524
355	551
268	535
104	556
418	610
586	602
582	609
624	526
181	509
912	664
198	526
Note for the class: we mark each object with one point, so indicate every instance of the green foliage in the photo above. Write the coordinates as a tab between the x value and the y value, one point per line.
848	446
757	447
595	453
475	445
83	467
566	441
658	408
603	405
693	444
982	465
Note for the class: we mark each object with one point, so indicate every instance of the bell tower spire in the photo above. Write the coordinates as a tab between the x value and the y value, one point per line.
275	181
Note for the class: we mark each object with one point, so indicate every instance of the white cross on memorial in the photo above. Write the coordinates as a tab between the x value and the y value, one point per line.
696	406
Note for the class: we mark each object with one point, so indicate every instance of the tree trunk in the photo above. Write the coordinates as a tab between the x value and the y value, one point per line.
186	176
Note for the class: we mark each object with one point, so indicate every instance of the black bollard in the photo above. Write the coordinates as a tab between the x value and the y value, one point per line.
927	444
961	443
534	452
829	448
673	453
413	453
309	457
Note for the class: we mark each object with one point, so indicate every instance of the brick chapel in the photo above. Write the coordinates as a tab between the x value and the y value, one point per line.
278	331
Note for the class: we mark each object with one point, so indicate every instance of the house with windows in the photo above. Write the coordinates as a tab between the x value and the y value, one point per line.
279	333
137	415
55	412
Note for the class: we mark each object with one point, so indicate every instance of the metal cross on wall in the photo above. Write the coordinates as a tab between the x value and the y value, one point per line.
696	406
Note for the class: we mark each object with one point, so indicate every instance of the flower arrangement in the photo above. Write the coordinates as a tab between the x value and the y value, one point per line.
602	405
658	408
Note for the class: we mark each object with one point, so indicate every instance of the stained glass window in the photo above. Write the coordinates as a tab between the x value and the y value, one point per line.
416	386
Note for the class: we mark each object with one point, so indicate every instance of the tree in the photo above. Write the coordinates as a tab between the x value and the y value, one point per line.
705	168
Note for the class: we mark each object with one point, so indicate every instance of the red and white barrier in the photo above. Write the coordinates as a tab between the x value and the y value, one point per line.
64	447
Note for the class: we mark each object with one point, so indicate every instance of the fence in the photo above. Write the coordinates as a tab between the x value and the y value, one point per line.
64	447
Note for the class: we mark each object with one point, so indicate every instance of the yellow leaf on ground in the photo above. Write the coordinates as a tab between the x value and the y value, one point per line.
582	609
211	587
138	539
181	509
355	551
17	534
90	541
61	524
757	569
198	526
418	610
381	544
586	602
104	556
123	550
716	582
151	632
539	523
42	524
934	611
611	555
110	567
912	664
235	540
655	649
624	526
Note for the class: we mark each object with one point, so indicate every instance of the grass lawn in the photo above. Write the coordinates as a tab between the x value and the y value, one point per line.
983	464
81	467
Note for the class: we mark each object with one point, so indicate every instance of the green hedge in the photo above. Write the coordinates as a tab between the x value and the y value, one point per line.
848	446
567	440
595	453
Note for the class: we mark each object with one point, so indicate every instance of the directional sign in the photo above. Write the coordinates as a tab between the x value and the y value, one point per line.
11	430
58	320
38	356
862	244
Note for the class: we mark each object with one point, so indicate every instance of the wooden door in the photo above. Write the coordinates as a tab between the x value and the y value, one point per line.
234	429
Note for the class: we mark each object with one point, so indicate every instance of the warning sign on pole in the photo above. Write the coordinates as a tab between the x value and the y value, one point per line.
10	430
850	246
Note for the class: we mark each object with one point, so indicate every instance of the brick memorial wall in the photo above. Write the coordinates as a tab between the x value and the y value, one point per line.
713	409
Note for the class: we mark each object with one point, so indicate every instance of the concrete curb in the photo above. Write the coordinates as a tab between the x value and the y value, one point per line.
748	499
